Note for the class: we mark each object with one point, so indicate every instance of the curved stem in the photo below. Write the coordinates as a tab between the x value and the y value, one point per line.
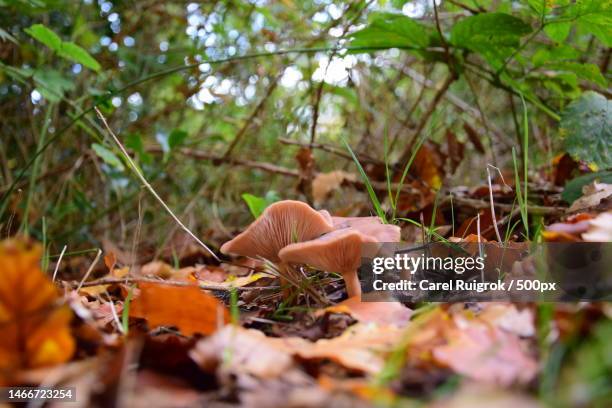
353	286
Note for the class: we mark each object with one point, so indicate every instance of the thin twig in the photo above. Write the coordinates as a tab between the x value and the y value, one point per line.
91	268
533	209
151	190
494	218
252	116
272	168
331	149
59	261
425	118
112	281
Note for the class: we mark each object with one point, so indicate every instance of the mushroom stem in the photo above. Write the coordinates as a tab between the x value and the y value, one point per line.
353	286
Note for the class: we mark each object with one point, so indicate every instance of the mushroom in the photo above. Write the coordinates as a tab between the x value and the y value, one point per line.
372	226
282	223
338	251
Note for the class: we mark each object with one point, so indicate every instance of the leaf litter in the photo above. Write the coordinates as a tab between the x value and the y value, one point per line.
181	328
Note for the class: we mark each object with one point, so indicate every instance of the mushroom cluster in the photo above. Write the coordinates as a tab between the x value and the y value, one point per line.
291	232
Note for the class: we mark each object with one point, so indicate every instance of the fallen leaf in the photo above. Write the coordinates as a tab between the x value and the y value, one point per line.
237	350
506	316
485	353
593	194
599	228
324	183
428	165
473	137
362	347
564	167
382	313
233	281
454	150
188	308
474	395
35	327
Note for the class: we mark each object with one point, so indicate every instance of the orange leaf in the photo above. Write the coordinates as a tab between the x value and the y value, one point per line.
393	313
188	308
35	330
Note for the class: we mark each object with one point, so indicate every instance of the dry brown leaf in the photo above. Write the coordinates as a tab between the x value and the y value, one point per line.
506	316
249	351
592	195
324	183
35	329
454	150
97	290
372	312
473	395
110	260
485	353
428	165
188	308
599	229
362	347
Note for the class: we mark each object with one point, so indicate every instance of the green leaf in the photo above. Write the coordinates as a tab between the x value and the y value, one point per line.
75	53
177	137
489	28
134	142
589	72
108	156
41	33
257	205
558	32
388	30
493	35
595	17
586	125
52	85
64	49
573	188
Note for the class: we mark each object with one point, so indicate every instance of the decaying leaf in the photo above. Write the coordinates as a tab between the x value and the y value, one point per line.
361	347
593	194
454	150
599	229
508	317
428	165
188	308
485	353
243	351
372	312
474	395
34	325
324	183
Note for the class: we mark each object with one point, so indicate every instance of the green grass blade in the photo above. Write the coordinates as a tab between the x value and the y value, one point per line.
519	194
377	206
404	174
125	314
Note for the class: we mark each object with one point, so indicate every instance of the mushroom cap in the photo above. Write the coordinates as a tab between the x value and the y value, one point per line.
281	224
338	251
371	226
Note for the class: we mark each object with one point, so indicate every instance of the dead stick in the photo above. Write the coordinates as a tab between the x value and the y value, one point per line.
533	209
111	281
425	118
272	168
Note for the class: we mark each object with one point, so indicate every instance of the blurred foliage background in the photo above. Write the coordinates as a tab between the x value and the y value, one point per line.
212	100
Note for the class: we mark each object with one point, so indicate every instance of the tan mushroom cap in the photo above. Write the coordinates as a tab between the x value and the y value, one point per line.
371	226
281	224
338	251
